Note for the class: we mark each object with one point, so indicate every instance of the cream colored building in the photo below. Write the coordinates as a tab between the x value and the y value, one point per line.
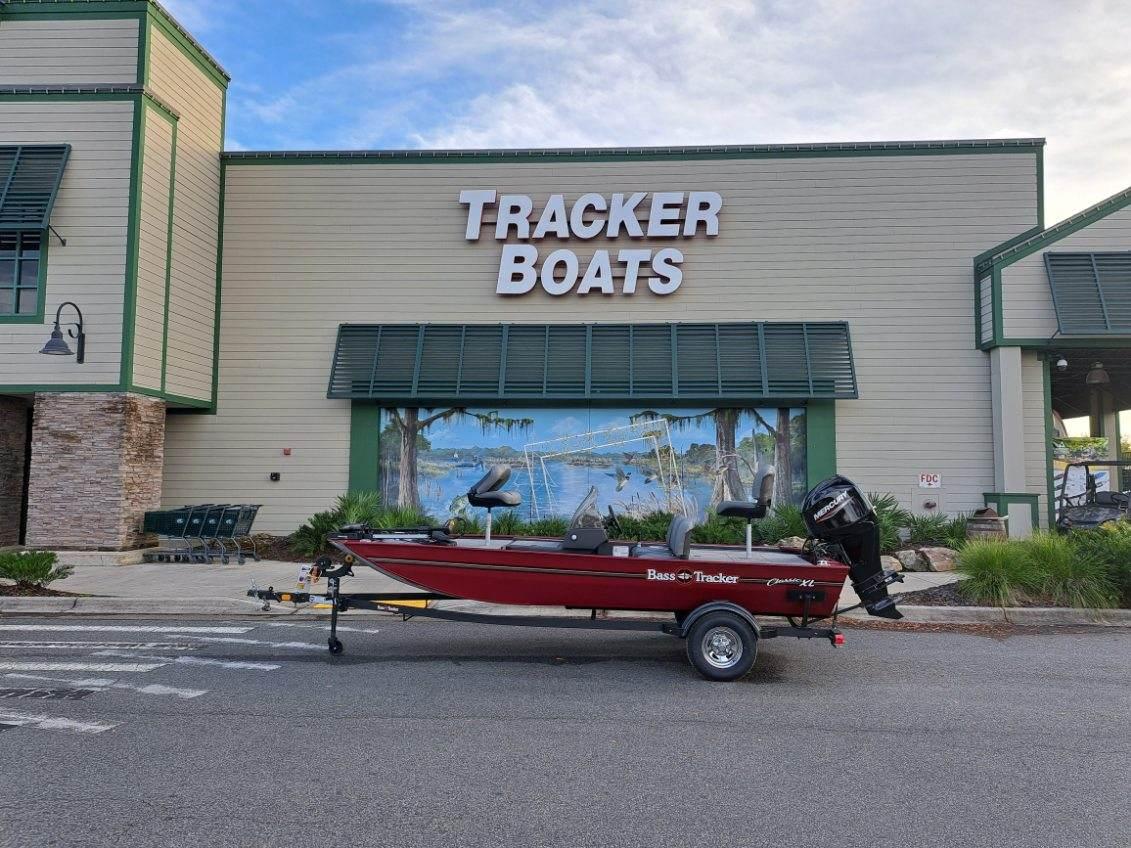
896	297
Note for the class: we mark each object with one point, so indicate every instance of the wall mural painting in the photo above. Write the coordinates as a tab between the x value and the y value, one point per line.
640	460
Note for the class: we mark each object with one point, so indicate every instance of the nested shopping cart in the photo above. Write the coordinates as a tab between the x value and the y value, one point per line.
202	533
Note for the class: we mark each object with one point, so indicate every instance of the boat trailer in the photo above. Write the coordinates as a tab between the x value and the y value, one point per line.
681	625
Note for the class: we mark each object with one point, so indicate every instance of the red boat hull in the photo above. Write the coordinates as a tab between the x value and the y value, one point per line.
761	585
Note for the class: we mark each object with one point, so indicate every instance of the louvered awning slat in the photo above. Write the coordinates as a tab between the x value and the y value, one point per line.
692	363
29	181
1091	292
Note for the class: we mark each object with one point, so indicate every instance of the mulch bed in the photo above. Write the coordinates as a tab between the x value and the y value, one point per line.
949	595
11	590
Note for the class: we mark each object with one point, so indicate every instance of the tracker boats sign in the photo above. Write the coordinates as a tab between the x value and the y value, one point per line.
638	215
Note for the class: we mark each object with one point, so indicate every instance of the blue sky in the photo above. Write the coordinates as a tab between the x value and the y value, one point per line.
349	74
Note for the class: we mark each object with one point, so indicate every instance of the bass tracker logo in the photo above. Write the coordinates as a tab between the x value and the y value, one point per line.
686	576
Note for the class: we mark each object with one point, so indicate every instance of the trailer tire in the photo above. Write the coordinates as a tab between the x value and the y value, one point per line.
722	646
335	646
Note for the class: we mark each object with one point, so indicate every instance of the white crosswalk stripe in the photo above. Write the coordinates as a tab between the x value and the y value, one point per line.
124	628
323	627
231	640
78	646
110	683
49	722
6	665
250	666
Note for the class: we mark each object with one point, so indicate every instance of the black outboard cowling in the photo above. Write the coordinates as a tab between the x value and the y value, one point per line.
837	511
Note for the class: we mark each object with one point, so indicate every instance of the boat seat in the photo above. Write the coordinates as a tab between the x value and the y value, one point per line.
678	543
485	493
757	508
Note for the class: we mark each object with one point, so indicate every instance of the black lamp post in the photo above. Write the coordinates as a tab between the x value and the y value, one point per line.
57	345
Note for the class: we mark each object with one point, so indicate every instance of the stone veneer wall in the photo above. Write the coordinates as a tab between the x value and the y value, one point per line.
96	463
13	445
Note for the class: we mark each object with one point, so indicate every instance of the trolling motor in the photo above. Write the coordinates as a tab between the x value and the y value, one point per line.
837	511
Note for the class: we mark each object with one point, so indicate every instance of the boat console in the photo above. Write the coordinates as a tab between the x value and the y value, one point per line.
586	533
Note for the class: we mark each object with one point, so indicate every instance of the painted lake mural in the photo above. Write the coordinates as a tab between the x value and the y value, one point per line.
640	460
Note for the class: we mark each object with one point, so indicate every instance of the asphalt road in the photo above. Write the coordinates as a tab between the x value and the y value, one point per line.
431	733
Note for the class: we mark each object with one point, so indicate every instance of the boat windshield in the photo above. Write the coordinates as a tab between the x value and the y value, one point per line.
586	514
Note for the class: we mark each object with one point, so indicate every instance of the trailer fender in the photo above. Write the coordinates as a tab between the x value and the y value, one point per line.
689	620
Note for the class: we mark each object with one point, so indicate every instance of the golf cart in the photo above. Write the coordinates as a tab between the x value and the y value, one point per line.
1090	494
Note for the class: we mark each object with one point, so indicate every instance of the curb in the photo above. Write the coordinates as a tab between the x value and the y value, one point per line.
912	614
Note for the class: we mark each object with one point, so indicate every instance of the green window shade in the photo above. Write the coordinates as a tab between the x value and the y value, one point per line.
423	364
29	182
1091	292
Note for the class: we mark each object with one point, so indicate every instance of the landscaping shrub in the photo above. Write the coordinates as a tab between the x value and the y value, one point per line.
32	568
717	530
358	508
1110	546
1062	574
507	523
782	522
651	527
935	530
996	571
891	518
354	508
552	527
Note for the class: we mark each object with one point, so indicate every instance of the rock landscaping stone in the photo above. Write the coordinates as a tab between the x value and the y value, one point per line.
939	559
791	542
912	560
891	563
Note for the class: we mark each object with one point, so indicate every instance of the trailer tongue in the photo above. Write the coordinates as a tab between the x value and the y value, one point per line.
713	600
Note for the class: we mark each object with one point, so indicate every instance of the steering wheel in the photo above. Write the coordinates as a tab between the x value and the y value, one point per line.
613	523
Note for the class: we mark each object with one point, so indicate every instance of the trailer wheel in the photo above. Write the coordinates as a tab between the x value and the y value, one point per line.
722	646
335	646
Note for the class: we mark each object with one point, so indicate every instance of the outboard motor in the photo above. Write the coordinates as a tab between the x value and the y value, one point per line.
837	511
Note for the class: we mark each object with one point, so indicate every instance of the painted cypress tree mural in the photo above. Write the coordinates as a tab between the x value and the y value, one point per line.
410	427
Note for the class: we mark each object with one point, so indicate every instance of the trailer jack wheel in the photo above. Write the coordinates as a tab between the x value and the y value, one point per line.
335	645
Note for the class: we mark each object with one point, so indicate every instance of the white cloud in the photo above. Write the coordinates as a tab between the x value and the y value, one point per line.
660	72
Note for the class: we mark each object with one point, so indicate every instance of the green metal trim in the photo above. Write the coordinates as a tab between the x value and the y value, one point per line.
169	257
188	46
820	441
1050	432
996	304
196	403
115	94
219	280
133	246
765	151
1068	342
36	317
1001	501
143	41
1007	254
364	461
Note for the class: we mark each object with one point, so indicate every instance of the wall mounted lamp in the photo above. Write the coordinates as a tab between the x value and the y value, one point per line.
57	345
1097	376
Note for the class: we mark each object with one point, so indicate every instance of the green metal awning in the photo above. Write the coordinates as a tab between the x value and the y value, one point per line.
1091	292
29	181
433	364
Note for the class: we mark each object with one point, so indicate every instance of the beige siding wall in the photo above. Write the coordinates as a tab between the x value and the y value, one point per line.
91	214
1033	404
199	101
157	170
884	242
64	52
1026	297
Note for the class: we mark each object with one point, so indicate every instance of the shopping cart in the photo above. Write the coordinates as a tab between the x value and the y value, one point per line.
202	533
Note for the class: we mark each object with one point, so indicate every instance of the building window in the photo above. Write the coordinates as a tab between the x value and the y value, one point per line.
20	259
